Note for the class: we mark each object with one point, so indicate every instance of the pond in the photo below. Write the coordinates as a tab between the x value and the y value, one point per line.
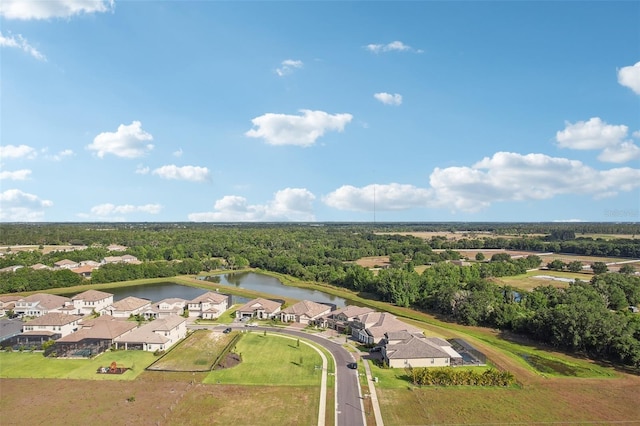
245	280
271	285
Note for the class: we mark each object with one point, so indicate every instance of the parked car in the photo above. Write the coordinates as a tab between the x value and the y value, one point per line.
352	365
227	330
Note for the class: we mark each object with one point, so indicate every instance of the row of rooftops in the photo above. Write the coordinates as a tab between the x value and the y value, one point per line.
81	267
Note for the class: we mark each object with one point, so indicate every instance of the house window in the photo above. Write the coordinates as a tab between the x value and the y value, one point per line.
432	360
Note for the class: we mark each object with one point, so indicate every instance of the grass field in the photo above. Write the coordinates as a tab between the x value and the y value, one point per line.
271	360
529	281
196	353
35	365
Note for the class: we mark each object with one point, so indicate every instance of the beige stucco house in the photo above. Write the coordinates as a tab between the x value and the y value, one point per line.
126	307
53	323
91	301
209	305
165	308
304	312
40	304
158	335
370	328
259	308
402	349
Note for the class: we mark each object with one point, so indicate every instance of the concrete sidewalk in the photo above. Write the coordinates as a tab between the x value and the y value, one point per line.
372	394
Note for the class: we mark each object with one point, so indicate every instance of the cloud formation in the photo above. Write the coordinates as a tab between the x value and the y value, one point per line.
19	206
388	98
505	176
19	42
596	134
394	46
127	142
630	77
299	130
19	151
46	9
290	204
112	212
189	173
385	197
288	66
22	174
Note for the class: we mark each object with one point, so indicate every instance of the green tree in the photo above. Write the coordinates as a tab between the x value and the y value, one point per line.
479	256
599	268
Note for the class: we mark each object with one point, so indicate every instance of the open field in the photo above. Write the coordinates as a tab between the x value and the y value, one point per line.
372	261
271	360
533	279
44	249
35	365
196	353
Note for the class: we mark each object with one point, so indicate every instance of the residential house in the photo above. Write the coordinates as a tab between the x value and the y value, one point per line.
65	264
50	326
259	308
341	319
9	328
127	258
165	308
39	266
116	247
158	335
209	305
84	271
371	328
95	336
39	304
403	349
304	312
91	301
8	303
126	307
12	268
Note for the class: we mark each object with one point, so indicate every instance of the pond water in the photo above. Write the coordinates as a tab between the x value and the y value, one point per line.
267	284
246	280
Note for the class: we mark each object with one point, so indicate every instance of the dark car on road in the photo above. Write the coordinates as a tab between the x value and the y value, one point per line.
227	330
352	365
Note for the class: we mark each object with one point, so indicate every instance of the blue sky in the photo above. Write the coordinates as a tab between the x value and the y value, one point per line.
319	111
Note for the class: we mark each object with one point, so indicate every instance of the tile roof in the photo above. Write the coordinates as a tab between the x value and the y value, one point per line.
415	348
147	332
210	297
92	295
103	327
269	306
307	307
130	303
54	318
378	323
47	301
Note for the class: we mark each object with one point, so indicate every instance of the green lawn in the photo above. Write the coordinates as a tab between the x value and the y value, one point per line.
271	360
196	353
35	365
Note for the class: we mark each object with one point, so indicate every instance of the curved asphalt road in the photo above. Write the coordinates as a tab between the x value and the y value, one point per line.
349	408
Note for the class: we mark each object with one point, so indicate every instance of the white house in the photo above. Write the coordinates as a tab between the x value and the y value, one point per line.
209	305
52	323
126	307
404	349
39	304
91	301
8	303
304	312
165	308
159	334
259	308
65	264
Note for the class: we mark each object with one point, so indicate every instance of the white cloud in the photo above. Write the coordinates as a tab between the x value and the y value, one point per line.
388	98
288	66
142	170
112	212
504	177
13	151
385	197
290	204
19	42
596	134
300	130
18	206
128	142
514	177
190	173
394	46
625	151
630	77
178	153
45	9
15	175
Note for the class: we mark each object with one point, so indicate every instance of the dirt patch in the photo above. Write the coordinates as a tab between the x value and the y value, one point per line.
373	261
230	360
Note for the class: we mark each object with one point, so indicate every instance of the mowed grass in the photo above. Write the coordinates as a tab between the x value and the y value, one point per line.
271	360
35	365
195	353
